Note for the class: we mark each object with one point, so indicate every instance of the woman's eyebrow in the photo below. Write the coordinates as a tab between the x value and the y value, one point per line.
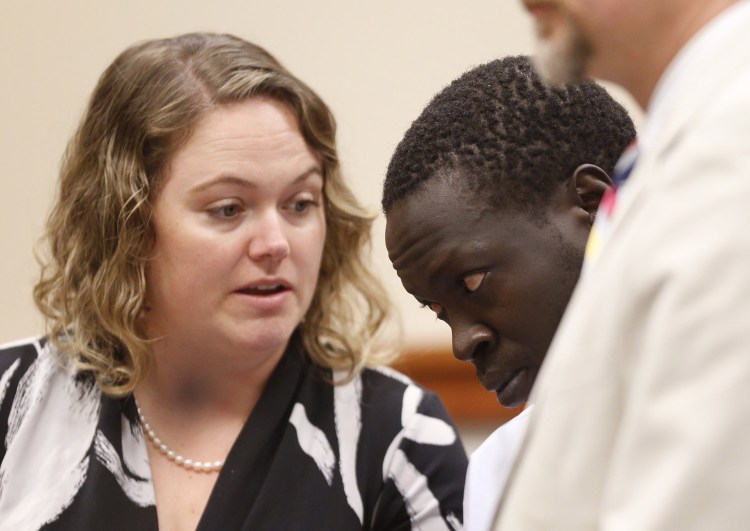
246	183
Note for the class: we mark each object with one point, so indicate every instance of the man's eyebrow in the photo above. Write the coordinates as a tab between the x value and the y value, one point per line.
245	183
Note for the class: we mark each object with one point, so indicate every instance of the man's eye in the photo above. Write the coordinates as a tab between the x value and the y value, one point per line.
473	281
435	307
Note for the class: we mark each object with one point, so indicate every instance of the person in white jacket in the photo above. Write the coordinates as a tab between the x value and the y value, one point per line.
642	409
489	199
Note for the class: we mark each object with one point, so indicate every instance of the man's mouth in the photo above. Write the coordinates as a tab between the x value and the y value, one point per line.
513	391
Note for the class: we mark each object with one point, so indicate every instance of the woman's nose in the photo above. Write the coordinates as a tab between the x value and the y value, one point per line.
470	340
269	239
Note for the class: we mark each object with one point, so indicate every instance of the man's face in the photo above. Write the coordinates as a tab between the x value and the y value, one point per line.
499	279
576	38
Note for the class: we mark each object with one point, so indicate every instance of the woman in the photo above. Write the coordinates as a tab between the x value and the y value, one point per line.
211	320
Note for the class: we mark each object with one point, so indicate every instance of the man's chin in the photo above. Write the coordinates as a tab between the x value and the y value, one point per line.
562	59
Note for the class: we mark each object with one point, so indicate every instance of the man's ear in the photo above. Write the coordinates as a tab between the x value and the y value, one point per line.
589	182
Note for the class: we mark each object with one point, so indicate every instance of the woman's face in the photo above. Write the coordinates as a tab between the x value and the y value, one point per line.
240	228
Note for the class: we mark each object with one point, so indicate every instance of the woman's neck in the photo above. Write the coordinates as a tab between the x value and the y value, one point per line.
203	387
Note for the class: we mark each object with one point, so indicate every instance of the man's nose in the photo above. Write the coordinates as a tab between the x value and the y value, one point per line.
470	339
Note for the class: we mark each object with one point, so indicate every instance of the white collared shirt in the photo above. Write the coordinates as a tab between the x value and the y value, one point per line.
489	468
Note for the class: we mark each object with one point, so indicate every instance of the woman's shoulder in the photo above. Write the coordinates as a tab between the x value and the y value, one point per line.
387	384
385	375
419	454
21	353
390	390
17	362
28	364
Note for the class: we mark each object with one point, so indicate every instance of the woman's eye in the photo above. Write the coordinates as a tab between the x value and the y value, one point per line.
301	206
302	203
229	210
473	281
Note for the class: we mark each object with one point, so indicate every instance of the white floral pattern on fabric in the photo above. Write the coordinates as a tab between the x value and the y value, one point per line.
313	442
51	424
348	417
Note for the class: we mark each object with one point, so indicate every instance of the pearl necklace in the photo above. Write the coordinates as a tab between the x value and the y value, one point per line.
189	464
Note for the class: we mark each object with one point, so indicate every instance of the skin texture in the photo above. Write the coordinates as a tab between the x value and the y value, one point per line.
498	277
240	207
630	43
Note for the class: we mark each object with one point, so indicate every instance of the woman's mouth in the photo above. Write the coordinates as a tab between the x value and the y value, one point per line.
264	289
270	294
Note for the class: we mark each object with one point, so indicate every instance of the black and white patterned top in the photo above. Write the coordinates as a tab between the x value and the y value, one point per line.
378	453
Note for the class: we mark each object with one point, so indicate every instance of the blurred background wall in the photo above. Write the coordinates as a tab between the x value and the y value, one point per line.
376	63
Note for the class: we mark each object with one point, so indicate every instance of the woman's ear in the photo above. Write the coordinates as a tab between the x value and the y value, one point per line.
589	183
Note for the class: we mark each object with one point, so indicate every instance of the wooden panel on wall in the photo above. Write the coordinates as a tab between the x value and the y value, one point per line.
457	385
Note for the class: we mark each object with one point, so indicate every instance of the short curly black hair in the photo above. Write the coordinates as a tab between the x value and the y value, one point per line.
511	136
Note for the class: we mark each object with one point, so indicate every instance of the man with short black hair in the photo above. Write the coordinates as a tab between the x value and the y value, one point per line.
489	199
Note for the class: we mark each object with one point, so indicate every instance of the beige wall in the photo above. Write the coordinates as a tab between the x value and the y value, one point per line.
376	63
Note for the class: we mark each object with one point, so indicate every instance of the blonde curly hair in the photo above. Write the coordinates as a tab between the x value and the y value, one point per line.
99	234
